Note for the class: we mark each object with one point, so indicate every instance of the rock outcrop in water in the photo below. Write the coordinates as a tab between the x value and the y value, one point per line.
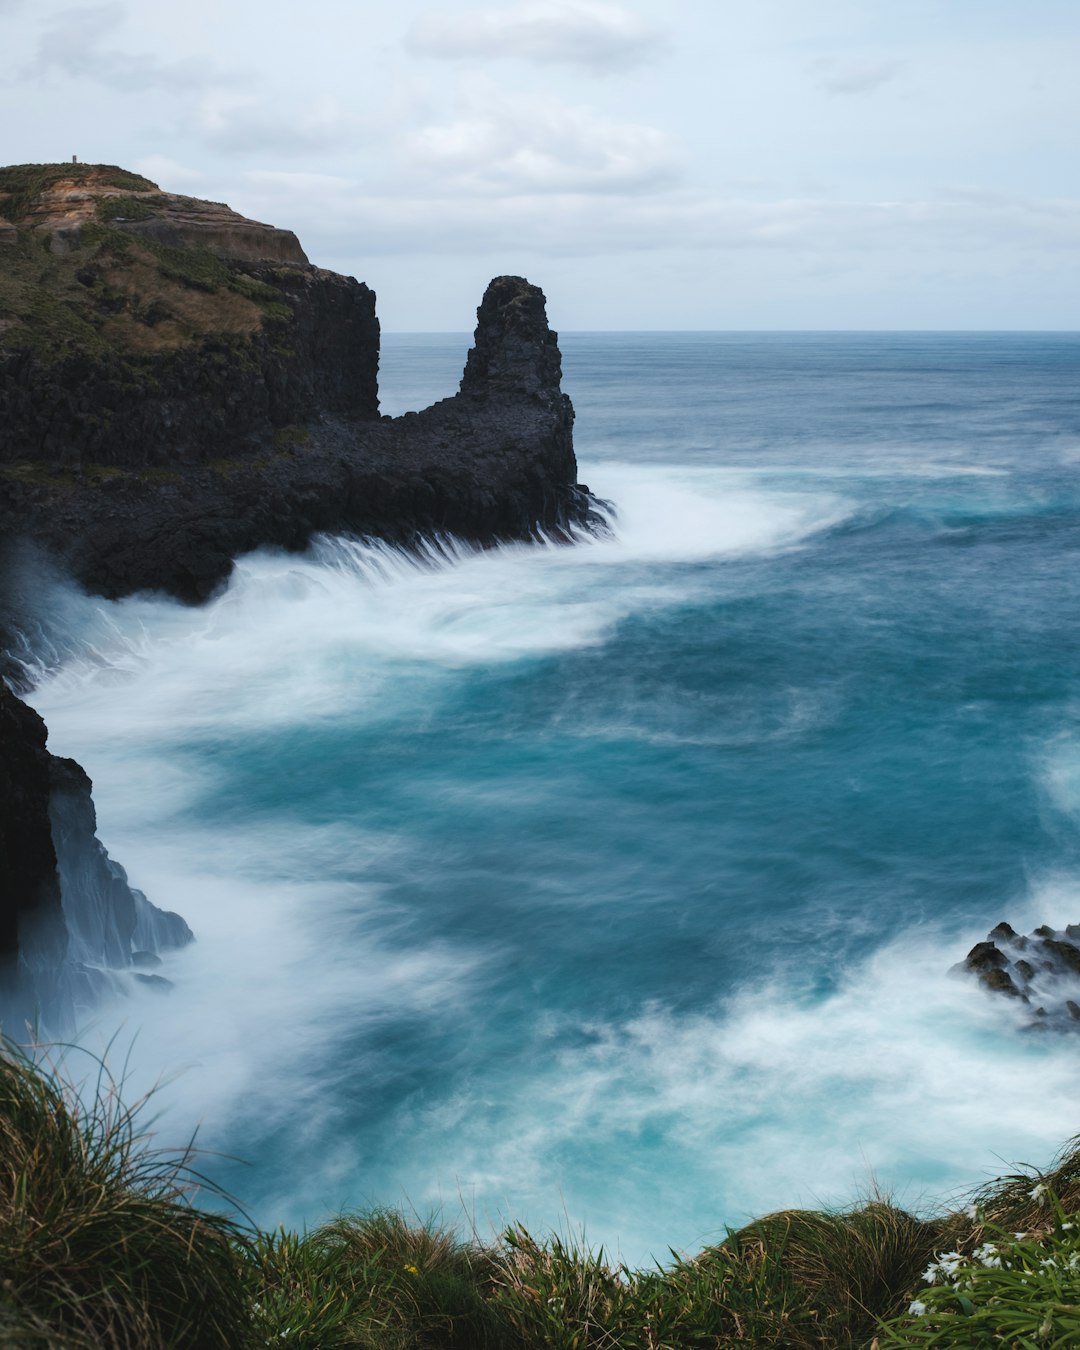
1041	972
178	385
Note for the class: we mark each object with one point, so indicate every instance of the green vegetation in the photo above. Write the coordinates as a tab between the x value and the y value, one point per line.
98	1246
101	1245
107	293
24	183
127	208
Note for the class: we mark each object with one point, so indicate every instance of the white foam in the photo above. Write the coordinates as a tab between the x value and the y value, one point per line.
659	1128
666	1127
331	633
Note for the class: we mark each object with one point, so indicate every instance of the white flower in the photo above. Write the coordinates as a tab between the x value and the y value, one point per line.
945	1267
1065	1227
916	1308
987	1254
972	1211
1039	1192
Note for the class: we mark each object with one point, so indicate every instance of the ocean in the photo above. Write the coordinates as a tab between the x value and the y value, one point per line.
614	888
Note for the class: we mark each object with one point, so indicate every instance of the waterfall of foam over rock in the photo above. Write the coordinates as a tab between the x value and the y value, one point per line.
618	884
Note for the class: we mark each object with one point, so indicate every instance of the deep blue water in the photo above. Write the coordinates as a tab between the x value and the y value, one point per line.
616	886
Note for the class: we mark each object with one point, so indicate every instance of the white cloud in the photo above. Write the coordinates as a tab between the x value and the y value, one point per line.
601	36
241	124
74	45
169	174
857	77
515	148
339	217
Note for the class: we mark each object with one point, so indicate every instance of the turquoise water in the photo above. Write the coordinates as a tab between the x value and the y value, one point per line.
616	886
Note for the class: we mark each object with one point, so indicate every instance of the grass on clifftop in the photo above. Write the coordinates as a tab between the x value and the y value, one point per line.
102	1246
109	292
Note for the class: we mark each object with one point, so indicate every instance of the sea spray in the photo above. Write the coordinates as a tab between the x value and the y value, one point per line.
619	882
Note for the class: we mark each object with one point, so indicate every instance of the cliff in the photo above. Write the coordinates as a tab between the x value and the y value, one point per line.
178	385
71	928
175	334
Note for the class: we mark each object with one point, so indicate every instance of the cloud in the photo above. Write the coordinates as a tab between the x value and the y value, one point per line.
523	148
601	36
335	216
241	124
857	77
170	174
75	46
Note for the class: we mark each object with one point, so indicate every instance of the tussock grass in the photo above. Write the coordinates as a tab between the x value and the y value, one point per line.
102	1249
99	1244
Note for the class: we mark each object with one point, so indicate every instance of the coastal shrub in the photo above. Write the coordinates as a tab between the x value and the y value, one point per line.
565	1296
427	1286
1015	1288
300	1296
127	208
375	1282
99	1244
811	1278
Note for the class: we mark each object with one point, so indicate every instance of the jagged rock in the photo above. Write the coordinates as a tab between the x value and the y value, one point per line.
985	956
68	918
32	935
1041	970
1000	982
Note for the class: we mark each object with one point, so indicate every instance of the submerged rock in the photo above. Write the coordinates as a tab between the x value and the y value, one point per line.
1040	971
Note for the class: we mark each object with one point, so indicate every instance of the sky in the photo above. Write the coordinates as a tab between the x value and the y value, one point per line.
652	164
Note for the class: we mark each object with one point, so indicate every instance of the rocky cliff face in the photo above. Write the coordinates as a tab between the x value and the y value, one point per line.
178	334
178	386
496	461
71	928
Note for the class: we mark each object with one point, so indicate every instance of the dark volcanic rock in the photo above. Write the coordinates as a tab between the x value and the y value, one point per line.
495	462
226	394
29	885
1041	971
68	918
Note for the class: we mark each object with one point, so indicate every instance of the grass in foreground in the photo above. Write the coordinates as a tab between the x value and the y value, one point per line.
101	1246
98	1245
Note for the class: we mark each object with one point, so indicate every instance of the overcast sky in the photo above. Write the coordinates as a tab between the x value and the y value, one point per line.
650	163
